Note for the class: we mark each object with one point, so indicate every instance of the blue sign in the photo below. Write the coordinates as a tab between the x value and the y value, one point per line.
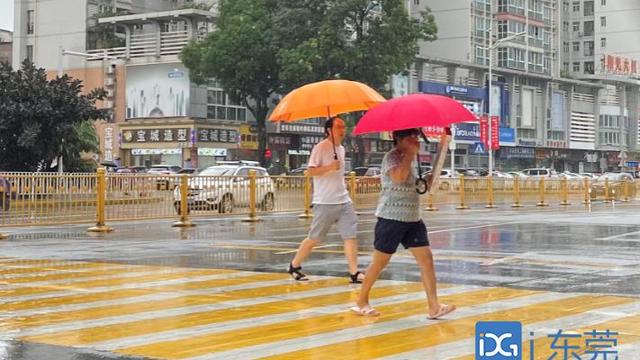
467	132
507	136
631	164
456	89
477	149
498	340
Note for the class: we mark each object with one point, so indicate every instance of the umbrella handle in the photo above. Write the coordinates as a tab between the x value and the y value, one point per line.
333	145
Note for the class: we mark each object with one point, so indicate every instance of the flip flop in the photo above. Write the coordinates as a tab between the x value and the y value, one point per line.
365	311
444	310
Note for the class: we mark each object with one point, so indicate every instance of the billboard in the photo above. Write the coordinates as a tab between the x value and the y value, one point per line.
158	90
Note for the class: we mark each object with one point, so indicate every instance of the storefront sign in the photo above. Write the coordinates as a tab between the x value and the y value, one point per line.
467	132
301	128
307	142
298	152
156	151
433	131
526	142
248	137
560	144
517	153
217	135
155	135
212	152
507	137
108	144
456	89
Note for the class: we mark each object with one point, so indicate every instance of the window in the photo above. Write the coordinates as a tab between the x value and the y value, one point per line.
588	8
576	26
416	2
576	6
30	53
565	6
565	67
603	42
30	22
588	67
565	26
576	46
603	2
603	21
588	48
565	47
576	67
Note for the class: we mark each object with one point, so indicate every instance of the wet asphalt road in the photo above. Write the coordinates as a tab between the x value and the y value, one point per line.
572	250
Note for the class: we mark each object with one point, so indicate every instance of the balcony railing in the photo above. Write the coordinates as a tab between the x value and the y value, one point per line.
142	45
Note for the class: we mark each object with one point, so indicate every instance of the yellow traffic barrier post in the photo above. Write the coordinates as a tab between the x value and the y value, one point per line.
184	203
462	205
587	192
625	189
490	200
101	195
253	217
607	197
307	197
542	203
565	192
516	192
352	187
430	206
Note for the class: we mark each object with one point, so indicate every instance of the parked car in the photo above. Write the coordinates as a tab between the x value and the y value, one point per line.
616	186
166	182
223	187
540	172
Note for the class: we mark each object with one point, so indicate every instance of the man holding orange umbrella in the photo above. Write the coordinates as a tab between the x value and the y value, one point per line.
331	202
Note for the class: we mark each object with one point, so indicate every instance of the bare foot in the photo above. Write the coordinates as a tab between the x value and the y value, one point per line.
443	310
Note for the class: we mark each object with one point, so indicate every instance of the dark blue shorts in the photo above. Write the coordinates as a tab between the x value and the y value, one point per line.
391	233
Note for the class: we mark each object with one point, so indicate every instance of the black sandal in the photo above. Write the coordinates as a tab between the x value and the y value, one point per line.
354	277
296	274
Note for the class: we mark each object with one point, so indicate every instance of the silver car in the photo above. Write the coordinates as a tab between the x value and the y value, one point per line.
223	187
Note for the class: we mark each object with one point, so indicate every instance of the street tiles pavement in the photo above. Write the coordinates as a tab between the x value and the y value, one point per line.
219	292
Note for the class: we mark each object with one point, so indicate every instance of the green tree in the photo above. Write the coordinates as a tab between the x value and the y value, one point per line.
266	47
42	119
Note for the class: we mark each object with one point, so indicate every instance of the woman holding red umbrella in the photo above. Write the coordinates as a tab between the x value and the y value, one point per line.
399	222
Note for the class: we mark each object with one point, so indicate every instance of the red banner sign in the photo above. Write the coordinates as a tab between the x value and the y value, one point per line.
619	65
433	131
495	132
484	131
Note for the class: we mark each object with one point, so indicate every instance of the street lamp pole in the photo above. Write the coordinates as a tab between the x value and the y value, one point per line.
492	46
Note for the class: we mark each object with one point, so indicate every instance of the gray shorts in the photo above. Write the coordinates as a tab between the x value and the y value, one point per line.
325	215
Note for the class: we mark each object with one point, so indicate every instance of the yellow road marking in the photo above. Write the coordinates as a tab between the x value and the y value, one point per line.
448	331
308	326
134	328
180	273
132	308
56	267
49	276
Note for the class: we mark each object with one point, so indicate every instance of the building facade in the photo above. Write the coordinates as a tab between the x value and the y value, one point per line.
6	46
549	115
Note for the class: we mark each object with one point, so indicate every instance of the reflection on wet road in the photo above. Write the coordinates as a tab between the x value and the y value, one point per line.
218	291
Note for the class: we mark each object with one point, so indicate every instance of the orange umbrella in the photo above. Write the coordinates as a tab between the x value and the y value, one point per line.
325	99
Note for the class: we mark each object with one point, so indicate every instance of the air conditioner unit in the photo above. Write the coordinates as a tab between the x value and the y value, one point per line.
110	93
111	69
108	104
109	81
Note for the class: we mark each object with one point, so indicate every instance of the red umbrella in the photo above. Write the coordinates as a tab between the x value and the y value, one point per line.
413	111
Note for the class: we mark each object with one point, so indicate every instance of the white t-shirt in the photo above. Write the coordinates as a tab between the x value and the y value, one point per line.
329	188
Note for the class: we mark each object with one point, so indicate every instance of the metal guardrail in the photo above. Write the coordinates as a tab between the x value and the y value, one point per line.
48	198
